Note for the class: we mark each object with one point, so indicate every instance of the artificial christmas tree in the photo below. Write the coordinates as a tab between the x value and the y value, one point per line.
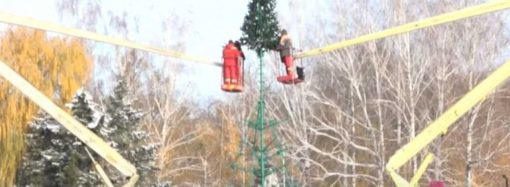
260	28
264	160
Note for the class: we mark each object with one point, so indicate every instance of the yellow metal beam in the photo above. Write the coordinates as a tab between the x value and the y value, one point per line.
436	20
132	181
71	124
441	124
423	167
47	26
398	180
100	170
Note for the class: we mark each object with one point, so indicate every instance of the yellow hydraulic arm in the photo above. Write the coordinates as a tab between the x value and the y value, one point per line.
449	117
71	124
436	20
42	25
100	170
441	124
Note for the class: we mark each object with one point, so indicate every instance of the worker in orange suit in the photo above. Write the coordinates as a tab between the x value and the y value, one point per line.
230	66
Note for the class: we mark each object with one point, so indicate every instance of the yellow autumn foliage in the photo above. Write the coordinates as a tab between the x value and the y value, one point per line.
56	66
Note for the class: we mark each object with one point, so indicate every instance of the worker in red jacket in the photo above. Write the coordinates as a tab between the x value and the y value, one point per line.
285	49
230	66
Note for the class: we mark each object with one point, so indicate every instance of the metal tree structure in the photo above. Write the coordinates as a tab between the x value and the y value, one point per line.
264	159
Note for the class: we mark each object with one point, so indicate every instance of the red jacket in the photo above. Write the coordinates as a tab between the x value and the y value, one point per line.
230	55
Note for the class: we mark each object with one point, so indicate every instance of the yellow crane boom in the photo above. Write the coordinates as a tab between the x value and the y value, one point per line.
47	26
443	122
440	125
428	22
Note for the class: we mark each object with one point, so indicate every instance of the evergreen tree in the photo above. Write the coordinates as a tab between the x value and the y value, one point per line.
129	137
54	156
44	159
260	27
89	113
